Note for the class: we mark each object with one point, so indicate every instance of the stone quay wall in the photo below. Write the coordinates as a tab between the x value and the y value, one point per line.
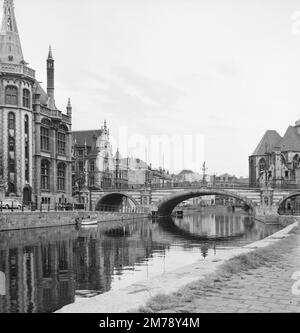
32	220
285	220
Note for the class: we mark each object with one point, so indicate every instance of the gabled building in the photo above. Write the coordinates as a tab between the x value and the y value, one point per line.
35	136
94	164
276	160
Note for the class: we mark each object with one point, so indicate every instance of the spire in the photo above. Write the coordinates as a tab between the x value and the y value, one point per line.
69	108
50	79
10	45
50	56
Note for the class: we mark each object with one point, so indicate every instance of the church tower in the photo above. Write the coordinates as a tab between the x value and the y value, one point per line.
35	136
16	114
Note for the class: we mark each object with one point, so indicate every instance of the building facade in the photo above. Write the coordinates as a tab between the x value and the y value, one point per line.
35	136
276	160
94	164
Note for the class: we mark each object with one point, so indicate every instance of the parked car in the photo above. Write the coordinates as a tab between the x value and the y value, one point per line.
11	203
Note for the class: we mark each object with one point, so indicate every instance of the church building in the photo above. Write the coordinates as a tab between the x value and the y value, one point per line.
276	160
35	136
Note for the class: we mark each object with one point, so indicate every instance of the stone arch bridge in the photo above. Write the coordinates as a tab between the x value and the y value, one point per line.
163	200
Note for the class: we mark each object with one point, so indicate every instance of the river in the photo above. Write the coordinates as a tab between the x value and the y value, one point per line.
43	270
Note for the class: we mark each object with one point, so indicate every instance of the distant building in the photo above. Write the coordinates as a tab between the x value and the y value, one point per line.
188	176
138	171
35	136
227	180
159	177
276	159
94	165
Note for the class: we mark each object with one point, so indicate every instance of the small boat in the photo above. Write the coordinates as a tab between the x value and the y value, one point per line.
88	222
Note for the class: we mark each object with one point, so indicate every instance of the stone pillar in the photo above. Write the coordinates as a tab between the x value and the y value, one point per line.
2	189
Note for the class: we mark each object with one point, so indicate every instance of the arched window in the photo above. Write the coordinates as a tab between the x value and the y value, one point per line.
296	161
45	136
26	130
11	121
26	98
45	175
262	165
61	177
11	95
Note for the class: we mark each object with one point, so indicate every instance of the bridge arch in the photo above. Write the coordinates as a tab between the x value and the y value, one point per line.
167	204
285	208
114	199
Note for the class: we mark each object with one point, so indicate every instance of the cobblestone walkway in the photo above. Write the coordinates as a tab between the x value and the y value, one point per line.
266	289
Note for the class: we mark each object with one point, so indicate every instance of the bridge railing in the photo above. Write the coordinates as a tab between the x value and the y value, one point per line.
125	209
295	212
185	185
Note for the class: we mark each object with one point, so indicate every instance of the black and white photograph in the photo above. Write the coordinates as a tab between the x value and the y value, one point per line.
149	160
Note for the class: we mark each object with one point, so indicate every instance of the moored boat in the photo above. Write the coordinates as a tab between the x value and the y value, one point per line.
89	221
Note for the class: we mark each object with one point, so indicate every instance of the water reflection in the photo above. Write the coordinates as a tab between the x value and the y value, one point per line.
43	270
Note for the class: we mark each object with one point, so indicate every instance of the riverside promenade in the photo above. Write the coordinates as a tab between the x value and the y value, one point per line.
266	281
215	284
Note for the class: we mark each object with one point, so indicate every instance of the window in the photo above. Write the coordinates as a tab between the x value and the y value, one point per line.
45	139
11	143
26	125
61	176
45	175
26	98
80	166
61	143
11	166
11	121
92	180
92	166
26	130
262	165
11	95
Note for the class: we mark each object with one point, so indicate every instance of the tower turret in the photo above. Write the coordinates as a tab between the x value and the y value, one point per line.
10	45
69	108
50	79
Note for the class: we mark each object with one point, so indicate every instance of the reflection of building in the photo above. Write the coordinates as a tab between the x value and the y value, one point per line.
35	140
212	225
276	160
38	278
45	271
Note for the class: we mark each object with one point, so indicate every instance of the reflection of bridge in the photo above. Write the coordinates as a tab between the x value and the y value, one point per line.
164	200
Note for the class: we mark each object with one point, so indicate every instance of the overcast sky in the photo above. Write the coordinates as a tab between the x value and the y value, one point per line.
219	73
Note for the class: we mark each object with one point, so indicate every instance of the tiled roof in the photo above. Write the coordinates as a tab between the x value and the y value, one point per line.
88	137
291	140
270	140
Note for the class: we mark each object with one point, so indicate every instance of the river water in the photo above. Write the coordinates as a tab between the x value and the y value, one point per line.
45	269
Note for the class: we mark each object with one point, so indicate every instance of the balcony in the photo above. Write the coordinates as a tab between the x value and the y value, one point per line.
56	115
17	69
